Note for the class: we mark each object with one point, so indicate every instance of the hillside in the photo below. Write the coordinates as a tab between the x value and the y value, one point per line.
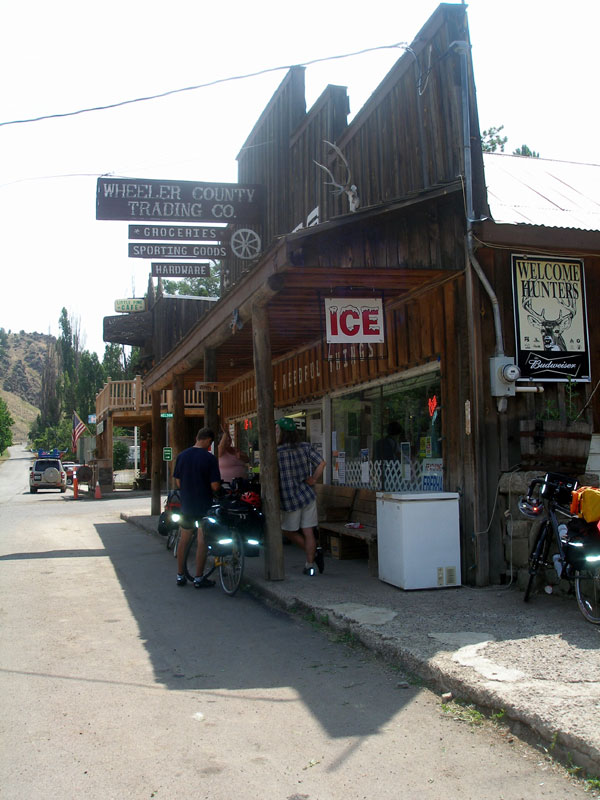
22	412
21	366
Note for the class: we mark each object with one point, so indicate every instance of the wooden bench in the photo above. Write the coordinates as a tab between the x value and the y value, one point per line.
338	505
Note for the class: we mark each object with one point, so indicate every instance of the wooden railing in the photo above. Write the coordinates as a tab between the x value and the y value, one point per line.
131	396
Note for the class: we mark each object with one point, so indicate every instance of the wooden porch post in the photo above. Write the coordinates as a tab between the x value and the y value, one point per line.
157	445
179	442
211	399
269	472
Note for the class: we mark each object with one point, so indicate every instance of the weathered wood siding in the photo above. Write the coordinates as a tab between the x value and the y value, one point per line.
407	138
173	318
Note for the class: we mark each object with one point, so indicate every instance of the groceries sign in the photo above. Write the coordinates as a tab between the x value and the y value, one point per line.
170	201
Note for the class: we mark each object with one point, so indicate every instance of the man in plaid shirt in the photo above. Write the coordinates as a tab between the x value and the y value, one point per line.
300	467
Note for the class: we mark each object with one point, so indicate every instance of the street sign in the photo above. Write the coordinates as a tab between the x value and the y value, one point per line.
172	269
203	386
166	233
162	250
173	201
166	414
131	304
167	454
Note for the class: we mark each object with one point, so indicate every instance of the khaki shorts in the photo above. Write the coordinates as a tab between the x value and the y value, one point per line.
301	518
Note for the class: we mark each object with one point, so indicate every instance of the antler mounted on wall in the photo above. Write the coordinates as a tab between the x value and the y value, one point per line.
347	188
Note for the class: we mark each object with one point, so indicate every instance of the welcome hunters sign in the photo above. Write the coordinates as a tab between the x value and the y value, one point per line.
171	201
550	318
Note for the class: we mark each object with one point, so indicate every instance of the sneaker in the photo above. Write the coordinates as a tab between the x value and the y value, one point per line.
319	560
203	583
181	580
309	570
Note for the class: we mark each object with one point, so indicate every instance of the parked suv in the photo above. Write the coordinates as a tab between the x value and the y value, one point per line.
70	468
47	473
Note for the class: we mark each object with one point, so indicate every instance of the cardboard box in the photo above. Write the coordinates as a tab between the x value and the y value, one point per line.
343	547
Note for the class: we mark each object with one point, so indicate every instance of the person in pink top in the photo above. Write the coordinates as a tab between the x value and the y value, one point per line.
232	462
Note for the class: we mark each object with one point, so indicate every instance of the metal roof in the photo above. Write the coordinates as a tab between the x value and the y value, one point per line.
539	191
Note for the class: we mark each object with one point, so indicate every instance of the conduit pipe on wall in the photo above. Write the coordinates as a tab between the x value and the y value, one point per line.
463	49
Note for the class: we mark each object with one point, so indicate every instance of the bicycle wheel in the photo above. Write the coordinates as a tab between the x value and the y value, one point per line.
176	540
172	536
190	557
231	567
587	591
537	557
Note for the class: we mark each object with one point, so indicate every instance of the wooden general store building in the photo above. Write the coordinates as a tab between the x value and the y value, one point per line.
412	230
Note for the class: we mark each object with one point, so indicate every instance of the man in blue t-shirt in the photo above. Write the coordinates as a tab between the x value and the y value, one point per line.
197	476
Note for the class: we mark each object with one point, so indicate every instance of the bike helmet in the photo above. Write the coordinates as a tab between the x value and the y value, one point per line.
252	498
286	424
530	507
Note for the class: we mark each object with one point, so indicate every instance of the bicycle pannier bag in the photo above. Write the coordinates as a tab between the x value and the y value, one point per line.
586	503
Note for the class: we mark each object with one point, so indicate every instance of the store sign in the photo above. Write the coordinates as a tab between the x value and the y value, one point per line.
354	320
207	386
189	233
550	318
173	201
131	304
173	269
163	250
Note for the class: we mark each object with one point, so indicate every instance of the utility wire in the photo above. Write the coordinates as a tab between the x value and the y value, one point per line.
204	85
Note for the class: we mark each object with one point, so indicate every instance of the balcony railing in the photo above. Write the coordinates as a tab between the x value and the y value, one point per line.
131	396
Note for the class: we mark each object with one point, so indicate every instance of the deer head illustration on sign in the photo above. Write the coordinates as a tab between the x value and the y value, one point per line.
551	329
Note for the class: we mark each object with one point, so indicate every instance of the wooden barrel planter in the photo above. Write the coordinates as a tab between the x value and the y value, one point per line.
554	446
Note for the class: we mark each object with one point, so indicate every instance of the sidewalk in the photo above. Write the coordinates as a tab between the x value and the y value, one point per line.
539	662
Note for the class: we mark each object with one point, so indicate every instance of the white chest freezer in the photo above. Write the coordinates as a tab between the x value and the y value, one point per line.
418	539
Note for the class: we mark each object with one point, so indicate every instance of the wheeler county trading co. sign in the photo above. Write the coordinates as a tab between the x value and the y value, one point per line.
135	199
550	318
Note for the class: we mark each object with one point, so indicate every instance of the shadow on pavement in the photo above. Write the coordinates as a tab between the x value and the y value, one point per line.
207	641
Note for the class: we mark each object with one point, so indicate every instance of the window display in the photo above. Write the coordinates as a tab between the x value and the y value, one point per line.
389	437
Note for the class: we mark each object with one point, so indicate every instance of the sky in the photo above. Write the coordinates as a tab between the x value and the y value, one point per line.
536	73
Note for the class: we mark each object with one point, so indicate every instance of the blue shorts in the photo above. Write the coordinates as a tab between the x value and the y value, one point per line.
189	522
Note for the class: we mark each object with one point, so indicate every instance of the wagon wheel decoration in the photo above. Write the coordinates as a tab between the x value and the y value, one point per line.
245	243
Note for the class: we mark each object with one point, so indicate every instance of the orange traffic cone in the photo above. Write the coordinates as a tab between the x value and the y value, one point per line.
98	493
75	487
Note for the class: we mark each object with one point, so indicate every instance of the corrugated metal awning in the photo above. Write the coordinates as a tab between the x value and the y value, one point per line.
539	191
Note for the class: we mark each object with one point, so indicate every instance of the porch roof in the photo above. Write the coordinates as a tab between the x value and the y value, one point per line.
290	292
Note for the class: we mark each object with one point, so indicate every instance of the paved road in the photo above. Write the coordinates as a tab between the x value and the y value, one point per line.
117	684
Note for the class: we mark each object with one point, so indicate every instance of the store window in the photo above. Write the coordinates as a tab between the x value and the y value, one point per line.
246	438
389	437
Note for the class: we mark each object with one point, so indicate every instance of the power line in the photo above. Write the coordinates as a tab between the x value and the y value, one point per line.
202	85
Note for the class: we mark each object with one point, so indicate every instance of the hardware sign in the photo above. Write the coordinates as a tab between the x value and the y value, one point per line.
173	201
171	269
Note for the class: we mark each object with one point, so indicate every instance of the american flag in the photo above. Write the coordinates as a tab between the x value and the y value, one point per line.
78	429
